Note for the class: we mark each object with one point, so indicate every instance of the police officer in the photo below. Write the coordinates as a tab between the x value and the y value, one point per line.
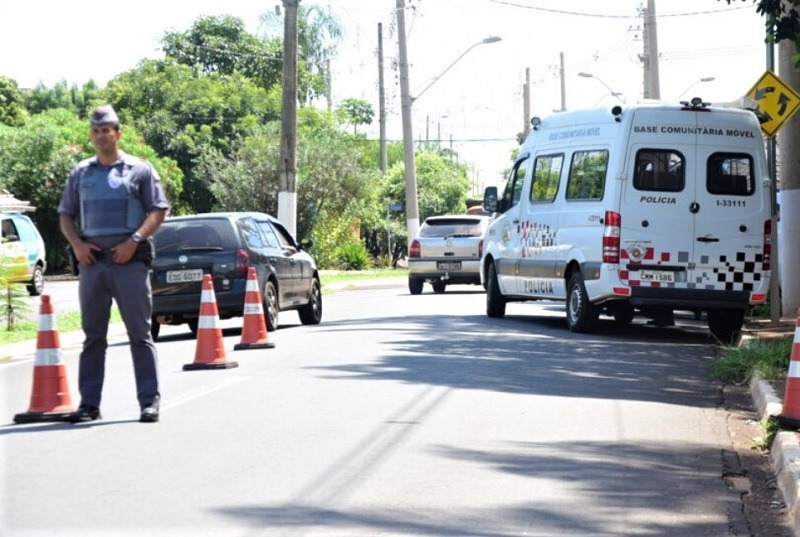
111	205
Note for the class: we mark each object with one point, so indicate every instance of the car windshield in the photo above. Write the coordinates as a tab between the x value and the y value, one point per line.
451	227
199	234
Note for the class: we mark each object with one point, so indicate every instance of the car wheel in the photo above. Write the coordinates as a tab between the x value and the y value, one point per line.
311	313
271	306
581	314
193	323
438	286
495	301
414	285
725	324
155	329
36	286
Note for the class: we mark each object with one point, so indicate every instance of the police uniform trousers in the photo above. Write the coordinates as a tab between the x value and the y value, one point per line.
129	286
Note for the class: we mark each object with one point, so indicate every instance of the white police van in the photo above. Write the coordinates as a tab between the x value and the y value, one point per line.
649	208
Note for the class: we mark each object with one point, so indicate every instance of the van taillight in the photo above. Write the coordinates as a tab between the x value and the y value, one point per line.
613	221
480	248
241	263
414	250
767	254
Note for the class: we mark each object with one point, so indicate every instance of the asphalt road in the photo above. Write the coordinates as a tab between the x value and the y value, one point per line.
398	415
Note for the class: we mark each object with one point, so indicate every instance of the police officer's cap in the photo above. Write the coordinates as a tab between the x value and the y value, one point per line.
104	115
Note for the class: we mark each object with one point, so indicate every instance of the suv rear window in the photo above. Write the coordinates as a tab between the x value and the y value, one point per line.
451	227
212	233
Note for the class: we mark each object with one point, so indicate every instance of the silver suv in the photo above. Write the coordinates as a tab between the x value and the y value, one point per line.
447	250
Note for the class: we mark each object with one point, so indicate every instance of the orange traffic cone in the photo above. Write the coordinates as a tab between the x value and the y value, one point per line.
790	415
254	329
50	399
210	352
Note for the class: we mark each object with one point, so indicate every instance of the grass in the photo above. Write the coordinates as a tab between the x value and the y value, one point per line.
767	359
67	322
329	277
71	321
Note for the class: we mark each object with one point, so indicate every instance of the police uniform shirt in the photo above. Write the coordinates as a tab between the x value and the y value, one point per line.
145	185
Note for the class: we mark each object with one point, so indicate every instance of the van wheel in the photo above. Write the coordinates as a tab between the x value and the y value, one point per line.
415	285
155	328
311	313
581	314
193	325
725	324
623	314
495	301
438	286
37	282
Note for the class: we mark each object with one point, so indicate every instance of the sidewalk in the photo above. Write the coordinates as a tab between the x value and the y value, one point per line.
785	450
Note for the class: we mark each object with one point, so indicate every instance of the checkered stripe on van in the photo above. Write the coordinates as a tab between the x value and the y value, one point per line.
534	237
740	273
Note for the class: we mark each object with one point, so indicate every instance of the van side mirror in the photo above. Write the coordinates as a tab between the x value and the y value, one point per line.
490	199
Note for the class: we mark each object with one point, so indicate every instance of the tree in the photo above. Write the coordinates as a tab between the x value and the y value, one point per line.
221	45
12	110
182	115
442	187
337	186
36	158
74	98
319	34
357	111
782	21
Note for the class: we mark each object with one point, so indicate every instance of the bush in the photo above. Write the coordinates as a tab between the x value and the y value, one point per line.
353	256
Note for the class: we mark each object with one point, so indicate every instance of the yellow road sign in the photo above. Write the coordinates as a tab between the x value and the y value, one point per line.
777	101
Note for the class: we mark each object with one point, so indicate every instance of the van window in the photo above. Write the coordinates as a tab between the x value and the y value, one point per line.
587	175
546	174
730	174
513	190
659	170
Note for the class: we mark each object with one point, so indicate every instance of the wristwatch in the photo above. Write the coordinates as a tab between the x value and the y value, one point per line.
137	238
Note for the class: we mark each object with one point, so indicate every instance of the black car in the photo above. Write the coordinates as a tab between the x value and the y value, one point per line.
225	245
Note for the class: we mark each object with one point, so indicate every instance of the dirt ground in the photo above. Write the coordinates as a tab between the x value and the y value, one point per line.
750	472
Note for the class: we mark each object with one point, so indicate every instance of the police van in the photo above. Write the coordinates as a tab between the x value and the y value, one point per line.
643	209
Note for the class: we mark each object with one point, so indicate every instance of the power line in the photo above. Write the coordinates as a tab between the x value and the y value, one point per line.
605	16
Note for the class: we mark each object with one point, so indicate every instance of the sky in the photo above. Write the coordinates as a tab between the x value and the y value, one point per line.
469	96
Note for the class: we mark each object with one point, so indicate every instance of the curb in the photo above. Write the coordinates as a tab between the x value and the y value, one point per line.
785	450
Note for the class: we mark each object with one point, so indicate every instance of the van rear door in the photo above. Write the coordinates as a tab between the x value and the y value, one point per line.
657	231
693	208
732	196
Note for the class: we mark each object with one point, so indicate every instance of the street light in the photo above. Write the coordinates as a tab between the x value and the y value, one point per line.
616	94
696	82
406	100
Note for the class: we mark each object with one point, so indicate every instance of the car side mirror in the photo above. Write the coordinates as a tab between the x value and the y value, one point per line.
490	199
306	244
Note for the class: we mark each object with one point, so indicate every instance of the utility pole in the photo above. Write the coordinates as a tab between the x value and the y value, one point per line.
526	104
382	103
563	84
652	85
287	174
789	166
406	100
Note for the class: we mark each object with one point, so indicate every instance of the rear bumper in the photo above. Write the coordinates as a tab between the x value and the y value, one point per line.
229	304
426	269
